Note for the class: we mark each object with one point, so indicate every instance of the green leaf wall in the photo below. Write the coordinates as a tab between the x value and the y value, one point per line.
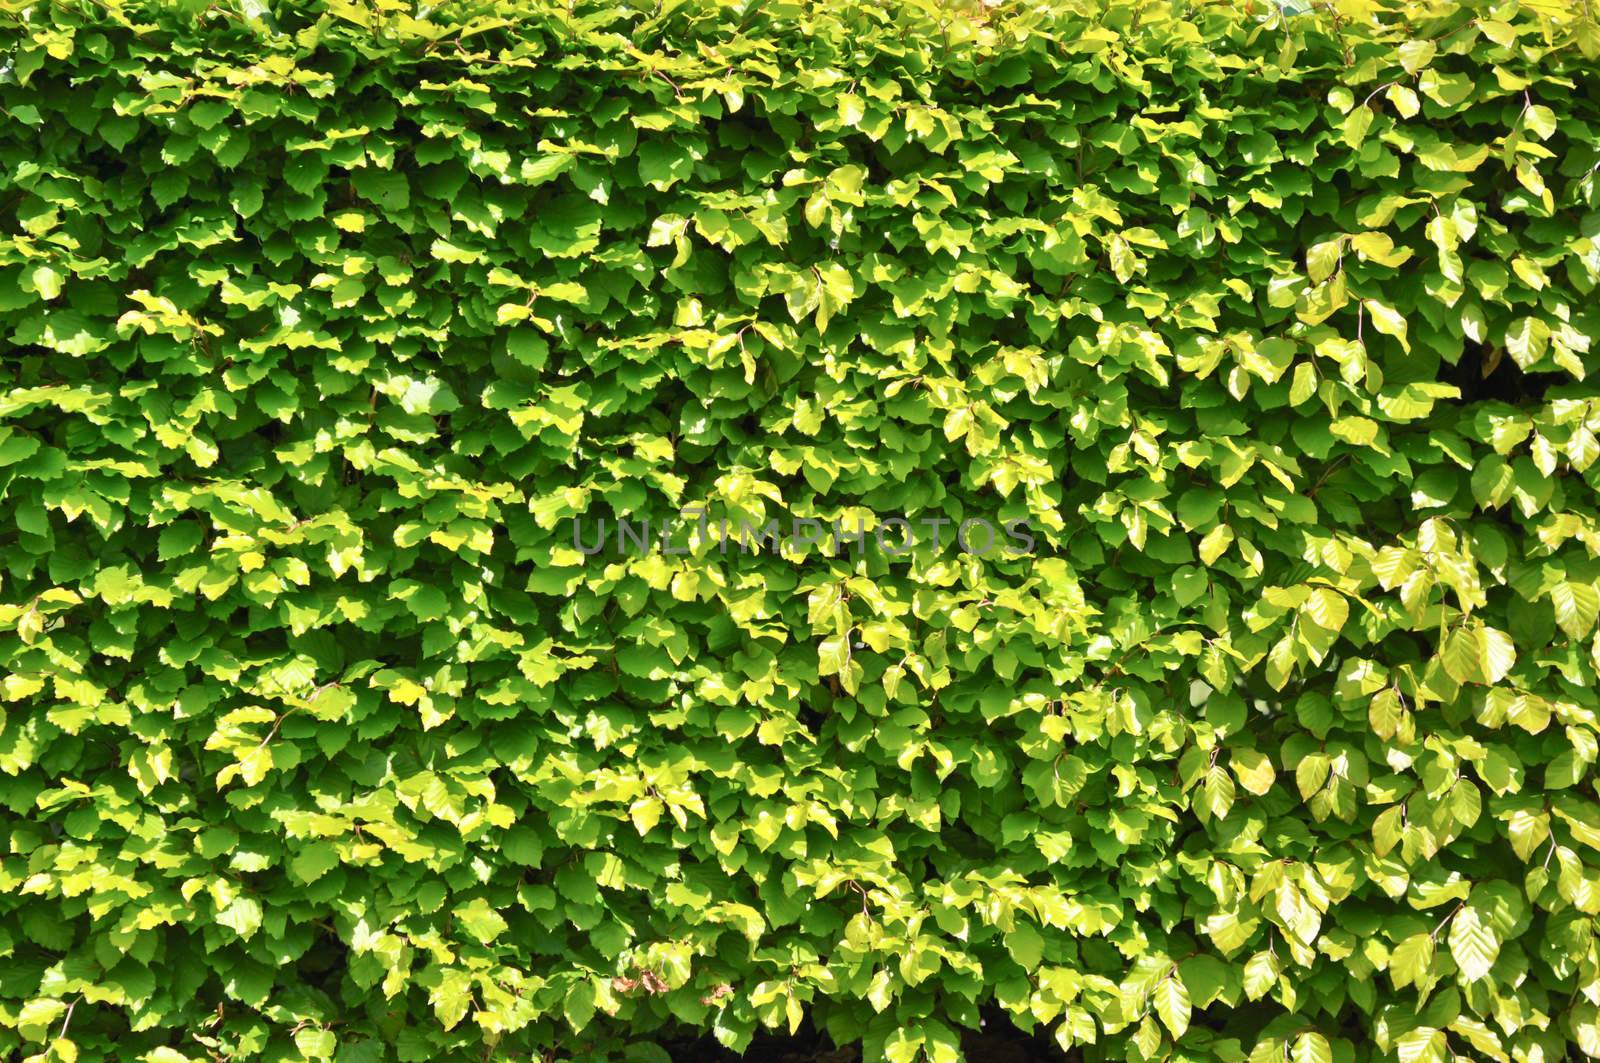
321	323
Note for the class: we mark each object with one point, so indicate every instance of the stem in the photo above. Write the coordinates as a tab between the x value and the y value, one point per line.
1460	905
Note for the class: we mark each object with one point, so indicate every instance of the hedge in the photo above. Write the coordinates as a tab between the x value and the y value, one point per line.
356	705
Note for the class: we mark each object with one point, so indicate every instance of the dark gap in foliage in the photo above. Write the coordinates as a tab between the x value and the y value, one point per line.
999	1041
1505	381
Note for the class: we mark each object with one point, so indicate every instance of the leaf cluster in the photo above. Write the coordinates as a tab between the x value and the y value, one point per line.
324	322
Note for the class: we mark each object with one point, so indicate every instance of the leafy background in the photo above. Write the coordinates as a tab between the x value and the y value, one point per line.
324	320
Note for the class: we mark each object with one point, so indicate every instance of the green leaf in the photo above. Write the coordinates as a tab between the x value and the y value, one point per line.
1414	55
314	861
1411	960
1311	1047
541	168
1322	259
16	447
47	282
1497	654
833	655
1261	975
1254	770
1356	124
480	920
1422	1045
1577	605
388	189
1527	340
1473	944
1124	263
1171	998
315	1043
1405	101
179	539
1326	608
1215	542
1026	946
1387	321
1478	654
429	395
242	915
902	1046
1189	584
578	1007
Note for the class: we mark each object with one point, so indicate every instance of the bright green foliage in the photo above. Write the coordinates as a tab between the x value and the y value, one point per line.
322	323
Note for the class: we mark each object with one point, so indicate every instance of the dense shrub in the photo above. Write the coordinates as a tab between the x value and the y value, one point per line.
1259	338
